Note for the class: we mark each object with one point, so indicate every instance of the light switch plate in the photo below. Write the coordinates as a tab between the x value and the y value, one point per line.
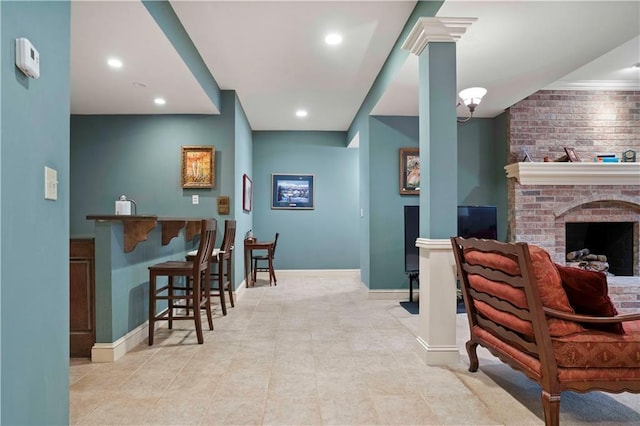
50	183
195	199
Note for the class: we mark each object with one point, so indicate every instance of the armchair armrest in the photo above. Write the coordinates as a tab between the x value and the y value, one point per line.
554	313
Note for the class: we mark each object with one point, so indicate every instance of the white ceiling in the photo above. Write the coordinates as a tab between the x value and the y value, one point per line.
273	55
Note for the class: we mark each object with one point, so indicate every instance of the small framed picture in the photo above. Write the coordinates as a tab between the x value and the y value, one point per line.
409	171
571	155
294	192
247	193
526	156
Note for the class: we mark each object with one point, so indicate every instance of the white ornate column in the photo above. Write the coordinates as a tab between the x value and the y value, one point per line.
433	40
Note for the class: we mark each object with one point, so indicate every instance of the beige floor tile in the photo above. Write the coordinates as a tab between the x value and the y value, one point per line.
293	386
340	384
147	383
354	410
81	404
236	384
120	411
404	410
177	412
100	383
235	411
292	411
314	350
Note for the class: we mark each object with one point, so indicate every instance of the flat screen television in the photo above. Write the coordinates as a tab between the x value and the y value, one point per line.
478	222
411	233
473	221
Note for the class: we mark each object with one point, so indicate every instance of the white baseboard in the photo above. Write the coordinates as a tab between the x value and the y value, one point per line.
110	352
389	294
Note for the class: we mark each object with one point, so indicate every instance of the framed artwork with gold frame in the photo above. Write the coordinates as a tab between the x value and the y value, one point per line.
198	166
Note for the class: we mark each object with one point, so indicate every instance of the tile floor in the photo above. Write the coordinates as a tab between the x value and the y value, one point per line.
311	351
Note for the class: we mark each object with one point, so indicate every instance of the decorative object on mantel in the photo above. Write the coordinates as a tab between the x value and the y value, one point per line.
223	204
629	156
585	260
526	157
571	155
606	158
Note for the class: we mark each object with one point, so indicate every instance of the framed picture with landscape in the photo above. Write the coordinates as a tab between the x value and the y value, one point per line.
292	191
198	166
409	171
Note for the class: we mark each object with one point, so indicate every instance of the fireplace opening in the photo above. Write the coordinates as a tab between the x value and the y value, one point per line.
608	242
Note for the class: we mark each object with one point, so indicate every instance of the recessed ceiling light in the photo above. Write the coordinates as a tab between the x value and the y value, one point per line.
333	39
159	101
301	113
114	63
139	84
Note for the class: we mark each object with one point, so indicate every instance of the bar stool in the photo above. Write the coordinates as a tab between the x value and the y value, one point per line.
222	259
195	292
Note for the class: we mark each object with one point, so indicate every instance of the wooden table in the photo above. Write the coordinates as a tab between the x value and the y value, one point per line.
249	246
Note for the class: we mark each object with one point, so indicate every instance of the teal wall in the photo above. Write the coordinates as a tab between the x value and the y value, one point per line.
139	156
34	276
122	279
360	127
364	201
323	238
481	181
243	165
388	135
482	155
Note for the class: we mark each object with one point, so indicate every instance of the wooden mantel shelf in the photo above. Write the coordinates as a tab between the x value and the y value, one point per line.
553	173
137	228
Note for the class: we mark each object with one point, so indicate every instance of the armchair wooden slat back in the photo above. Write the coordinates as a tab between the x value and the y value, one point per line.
518	309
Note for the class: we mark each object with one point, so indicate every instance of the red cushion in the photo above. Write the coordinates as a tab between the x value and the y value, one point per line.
595	349
513	295
550	288
588	294
506	264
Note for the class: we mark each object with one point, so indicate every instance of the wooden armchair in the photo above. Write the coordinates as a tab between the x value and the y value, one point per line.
538	318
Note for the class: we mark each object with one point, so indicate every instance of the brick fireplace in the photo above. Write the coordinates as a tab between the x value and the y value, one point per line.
544	196
538	213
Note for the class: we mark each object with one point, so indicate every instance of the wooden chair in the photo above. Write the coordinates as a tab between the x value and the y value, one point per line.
267	257
555	324
194	293
224	271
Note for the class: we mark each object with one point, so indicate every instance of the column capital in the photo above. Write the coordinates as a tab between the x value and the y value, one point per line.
433	29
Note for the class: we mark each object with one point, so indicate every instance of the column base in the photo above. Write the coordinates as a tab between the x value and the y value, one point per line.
437	355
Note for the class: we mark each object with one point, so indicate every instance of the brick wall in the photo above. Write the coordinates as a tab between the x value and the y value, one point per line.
591	122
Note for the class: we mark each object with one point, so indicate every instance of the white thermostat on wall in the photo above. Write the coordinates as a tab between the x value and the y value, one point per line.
27	58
